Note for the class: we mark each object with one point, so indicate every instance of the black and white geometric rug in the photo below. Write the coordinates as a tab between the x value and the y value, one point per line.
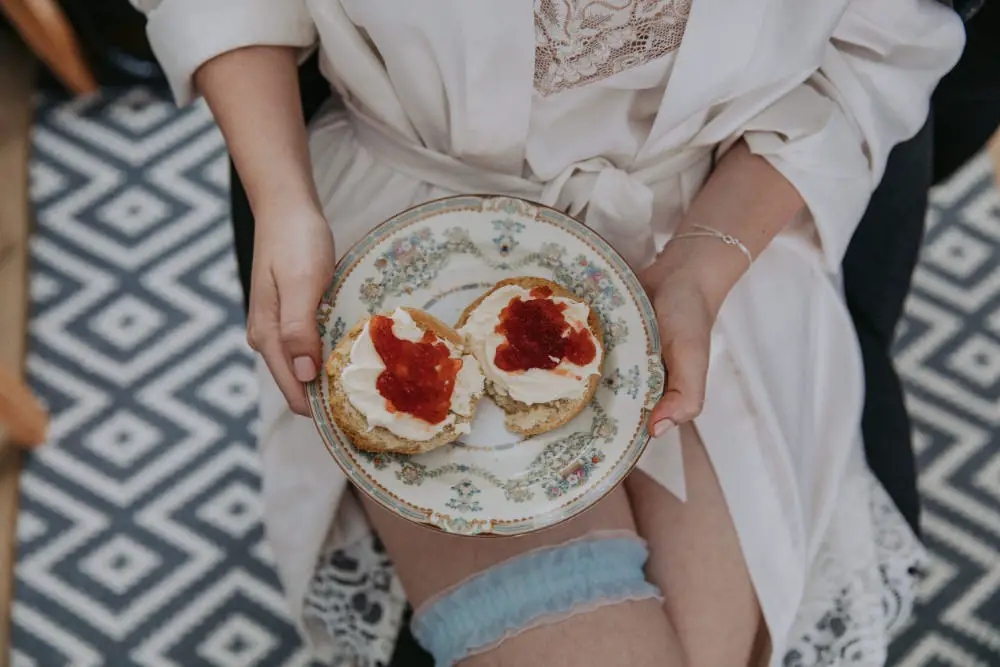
140	539
948	353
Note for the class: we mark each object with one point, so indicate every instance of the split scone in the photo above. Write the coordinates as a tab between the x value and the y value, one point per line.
540	348
403	382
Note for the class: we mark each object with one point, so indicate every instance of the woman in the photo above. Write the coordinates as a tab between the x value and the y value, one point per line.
767	121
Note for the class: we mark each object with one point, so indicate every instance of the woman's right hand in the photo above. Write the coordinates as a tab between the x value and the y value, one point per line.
293	263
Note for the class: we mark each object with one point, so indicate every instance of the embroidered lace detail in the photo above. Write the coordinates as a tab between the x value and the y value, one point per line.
358	600
579	41
852	611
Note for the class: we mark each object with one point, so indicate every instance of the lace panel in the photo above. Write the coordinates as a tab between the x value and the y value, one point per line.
357	599
851	613
580	41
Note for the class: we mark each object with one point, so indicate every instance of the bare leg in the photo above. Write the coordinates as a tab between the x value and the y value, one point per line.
634	633
695	559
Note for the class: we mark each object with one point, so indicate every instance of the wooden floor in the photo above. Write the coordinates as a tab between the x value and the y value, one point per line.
17	73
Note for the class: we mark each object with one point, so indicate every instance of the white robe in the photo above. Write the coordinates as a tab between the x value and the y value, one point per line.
822	89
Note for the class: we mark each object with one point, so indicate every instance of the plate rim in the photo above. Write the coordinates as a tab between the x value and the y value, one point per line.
424	517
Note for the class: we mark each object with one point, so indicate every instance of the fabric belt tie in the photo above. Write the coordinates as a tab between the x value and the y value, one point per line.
615	203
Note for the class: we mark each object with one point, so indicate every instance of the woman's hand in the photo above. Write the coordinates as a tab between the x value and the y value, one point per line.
685	314
744	197
293	264
254	95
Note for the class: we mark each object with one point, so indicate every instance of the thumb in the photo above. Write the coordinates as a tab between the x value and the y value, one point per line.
299	332
687	367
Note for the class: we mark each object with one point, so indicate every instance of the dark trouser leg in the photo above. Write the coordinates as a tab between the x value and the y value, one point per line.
242	218
967	102
877	270
883	253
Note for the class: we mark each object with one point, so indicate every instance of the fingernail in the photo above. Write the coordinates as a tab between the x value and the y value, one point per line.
305	369
662	426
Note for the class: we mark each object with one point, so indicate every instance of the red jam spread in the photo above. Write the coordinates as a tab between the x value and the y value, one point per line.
538	335
419	377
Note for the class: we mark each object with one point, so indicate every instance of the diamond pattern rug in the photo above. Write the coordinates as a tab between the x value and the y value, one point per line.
948	353
140	536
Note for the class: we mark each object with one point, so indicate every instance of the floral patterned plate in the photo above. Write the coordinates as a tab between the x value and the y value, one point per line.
440	257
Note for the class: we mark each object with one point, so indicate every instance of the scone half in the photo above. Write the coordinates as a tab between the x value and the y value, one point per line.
351	394
530	410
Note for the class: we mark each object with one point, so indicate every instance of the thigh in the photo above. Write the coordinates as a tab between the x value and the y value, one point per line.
429	561
633	632
696	560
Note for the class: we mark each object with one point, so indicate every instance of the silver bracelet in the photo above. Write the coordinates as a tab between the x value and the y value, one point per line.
709	232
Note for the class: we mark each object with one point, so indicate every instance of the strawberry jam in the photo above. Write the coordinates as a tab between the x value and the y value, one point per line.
538	335
419	377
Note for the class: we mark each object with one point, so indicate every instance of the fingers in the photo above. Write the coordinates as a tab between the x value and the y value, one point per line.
648	279
299	334
686	360
264	334
281	369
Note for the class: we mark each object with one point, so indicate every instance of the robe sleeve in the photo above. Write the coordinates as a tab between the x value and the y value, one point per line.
185	34
831	136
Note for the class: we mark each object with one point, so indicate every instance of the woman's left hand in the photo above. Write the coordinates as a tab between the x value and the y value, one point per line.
685	320
687	286
744	197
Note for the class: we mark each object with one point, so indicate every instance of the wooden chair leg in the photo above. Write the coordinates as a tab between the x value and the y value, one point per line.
44	27
26	421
